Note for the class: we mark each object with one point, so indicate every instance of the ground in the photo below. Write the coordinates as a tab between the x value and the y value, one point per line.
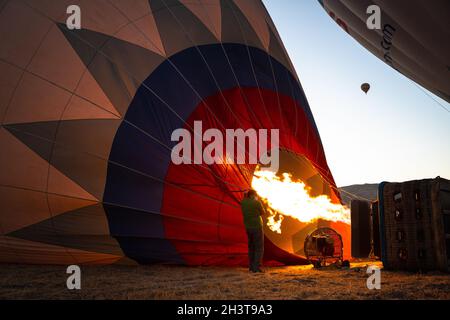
178	282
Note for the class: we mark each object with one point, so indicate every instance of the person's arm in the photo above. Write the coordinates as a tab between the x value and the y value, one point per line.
261	208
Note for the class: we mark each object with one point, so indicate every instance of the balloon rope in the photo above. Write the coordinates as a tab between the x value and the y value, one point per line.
3	117
215	81
149	89
144	85
187	81
332	183
212	75
431	97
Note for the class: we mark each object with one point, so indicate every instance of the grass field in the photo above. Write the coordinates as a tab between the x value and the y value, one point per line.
177	282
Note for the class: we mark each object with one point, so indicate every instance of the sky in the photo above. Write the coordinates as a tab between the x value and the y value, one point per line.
394	133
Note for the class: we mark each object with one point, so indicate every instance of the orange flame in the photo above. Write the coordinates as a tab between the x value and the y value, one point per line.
286	197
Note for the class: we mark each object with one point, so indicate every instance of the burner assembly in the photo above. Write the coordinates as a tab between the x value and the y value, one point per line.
324	247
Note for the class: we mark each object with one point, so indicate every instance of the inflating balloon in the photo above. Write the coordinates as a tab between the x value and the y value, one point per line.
420	51
86	121
365	87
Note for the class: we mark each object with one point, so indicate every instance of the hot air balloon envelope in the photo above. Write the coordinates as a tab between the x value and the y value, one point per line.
365	87
87	118
412	38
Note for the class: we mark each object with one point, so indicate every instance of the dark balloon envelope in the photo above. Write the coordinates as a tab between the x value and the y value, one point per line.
413	38
87	116
365	87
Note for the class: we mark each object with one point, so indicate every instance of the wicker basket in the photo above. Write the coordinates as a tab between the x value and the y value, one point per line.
414	224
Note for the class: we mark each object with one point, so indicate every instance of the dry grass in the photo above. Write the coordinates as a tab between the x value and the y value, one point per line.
177	282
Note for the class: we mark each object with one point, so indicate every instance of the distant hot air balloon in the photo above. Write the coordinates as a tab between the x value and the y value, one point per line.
365	87
86	121
413	38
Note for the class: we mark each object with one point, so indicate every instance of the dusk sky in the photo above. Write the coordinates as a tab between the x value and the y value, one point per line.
394	133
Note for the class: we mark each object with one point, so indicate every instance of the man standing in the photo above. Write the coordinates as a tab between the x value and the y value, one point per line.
252	210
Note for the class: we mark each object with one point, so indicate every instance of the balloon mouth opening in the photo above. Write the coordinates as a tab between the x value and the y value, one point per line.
297	200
